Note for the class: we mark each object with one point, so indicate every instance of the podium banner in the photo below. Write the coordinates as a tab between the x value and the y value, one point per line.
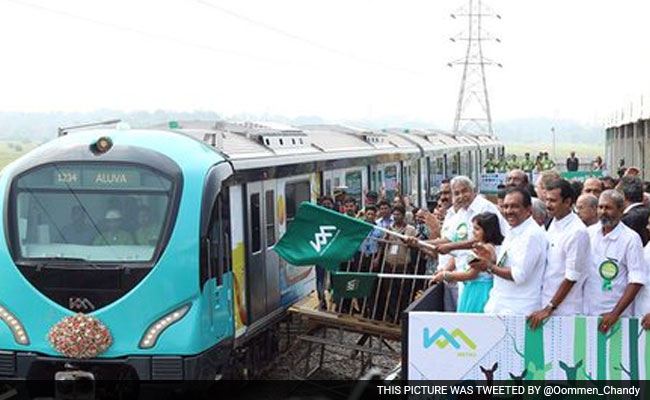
488	182
446	346
581	175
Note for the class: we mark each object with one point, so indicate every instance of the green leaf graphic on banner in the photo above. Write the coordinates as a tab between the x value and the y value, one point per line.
616	352
534	353
633	340
580	345
602	350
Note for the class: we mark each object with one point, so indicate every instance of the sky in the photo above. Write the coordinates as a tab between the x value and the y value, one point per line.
582	60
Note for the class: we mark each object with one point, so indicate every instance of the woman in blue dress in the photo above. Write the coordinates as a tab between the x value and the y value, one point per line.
477	284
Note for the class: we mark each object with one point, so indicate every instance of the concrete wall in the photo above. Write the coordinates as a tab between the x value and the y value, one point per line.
629	141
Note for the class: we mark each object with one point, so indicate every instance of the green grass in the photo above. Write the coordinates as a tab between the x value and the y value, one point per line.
12	149
584	151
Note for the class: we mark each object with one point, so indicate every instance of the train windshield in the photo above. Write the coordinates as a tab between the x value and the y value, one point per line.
91	212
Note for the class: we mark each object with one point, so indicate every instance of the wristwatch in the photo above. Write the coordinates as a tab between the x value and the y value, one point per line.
490	268
551	306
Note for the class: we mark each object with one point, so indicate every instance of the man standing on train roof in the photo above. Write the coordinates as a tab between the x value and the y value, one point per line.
566	260
490	165
113	234
547	163
502	165
519	266
527	165
618	270
513	163
572	163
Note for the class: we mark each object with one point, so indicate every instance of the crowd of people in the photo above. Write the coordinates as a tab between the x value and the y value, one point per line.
551	247
542	162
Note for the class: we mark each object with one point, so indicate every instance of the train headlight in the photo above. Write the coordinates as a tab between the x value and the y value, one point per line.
16	327
153	332
102	145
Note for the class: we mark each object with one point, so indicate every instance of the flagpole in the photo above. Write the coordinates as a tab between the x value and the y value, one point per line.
404	276
421	243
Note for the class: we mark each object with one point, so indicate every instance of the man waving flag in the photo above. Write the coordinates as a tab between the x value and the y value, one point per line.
321	236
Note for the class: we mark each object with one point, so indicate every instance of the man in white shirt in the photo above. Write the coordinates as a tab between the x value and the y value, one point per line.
460	235
518	272
587	209
567	258
618	270
642	301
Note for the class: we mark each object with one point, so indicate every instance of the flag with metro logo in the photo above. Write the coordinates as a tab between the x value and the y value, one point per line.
321	236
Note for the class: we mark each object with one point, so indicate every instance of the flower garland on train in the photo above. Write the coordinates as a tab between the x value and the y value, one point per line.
80	336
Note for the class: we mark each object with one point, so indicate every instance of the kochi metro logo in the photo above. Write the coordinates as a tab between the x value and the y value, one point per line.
322	238
442	339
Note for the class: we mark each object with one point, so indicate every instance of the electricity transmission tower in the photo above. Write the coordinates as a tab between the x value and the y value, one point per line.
473	107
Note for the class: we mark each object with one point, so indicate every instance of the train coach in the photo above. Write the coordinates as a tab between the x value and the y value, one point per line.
147	253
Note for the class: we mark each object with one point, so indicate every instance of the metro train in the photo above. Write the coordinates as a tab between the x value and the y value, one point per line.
161	238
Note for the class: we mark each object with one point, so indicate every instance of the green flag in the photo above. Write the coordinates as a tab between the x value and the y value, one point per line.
321	236
348	285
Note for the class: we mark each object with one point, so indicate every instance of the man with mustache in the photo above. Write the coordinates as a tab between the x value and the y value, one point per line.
566	265
617	271
519	266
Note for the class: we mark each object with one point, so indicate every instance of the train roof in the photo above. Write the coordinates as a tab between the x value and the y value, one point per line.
251	145
257	145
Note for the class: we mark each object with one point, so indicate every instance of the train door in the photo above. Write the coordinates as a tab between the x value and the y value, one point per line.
391	179
423	174
410	185
271	258
263	270
220	264
445	166
256	277
356	181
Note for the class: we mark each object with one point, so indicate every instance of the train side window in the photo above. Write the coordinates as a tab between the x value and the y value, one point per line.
270	217
256	231
353	182
328	187
226	244
296	193
218	240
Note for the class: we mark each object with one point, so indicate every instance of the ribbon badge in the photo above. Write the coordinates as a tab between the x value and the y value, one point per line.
608	271
461	232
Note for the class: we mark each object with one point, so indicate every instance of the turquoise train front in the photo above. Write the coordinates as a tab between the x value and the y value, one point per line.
125	227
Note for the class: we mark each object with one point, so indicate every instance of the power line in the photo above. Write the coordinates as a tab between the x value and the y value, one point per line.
304	40
156	36
213	49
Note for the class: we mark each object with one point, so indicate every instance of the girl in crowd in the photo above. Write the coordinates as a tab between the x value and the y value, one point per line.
477	285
